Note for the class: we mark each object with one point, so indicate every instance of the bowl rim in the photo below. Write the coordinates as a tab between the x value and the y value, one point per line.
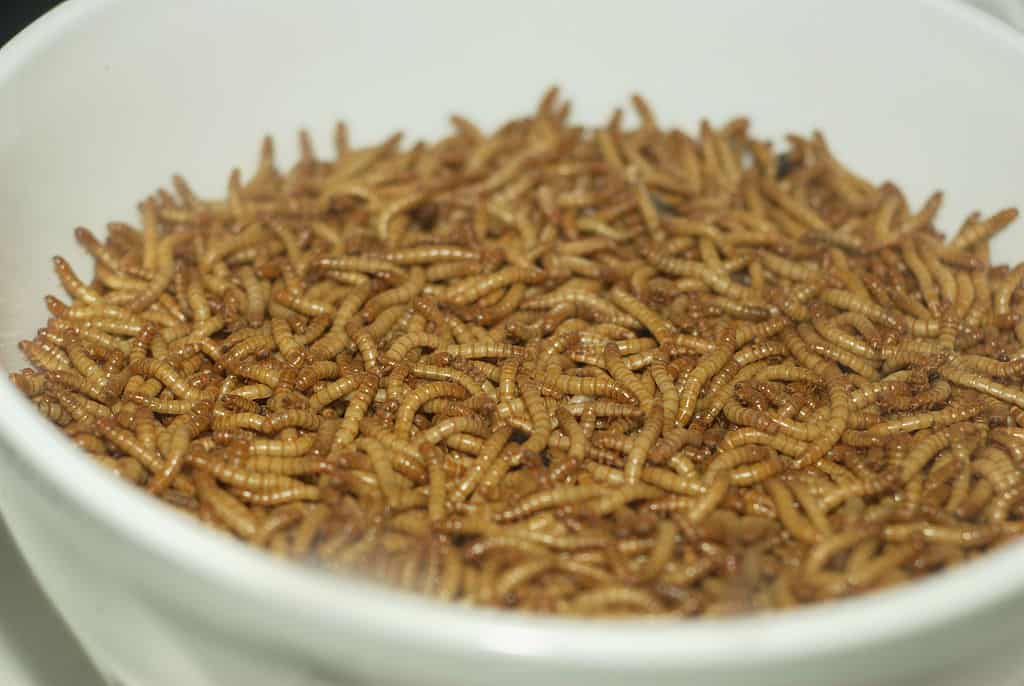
322	599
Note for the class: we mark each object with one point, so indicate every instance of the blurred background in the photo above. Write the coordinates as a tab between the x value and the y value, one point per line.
17	14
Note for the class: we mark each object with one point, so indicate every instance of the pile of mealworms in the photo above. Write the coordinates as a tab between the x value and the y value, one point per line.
593	371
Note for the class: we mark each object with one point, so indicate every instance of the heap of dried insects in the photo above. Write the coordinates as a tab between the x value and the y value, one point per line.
583	371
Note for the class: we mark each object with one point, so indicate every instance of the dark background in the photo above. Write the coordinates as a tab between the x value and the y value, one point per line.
17	14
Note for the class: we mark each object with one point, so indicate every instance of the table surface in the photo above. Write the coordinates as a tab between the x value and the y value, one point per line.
36	648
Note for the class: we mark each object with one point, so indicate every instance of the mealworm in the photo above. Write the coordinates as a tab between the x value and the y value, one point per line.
227	508
977	232
790	517
645	439
357	408
983	385
709	364
539	417
414	400
439	431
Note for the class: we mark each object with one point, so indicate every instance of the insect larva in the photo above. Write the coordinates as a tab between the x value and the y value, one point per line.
645	439
307	420
464	443
820	554
709	364
283	447
580	385
624	377
516	576
44	357
276	522
403	293
659	327
244	478
437	482
350	263
29	382
661	553
174	458
298	492
604	599
498	542
287	466
607	311
976	232
789	269
357	408
99	252
166	375
483	349
176	406
655	476
74	286
672	441
942	275
1006	289
830	331
163	274
232	512
313	372
756	472
490	481
292	352
726	460
748	331
961	535
848	302
559	496
430	254
452	425
414	400
788	514
332	392
404	344
615	500
806	357
304	535
916	265
54	411
811	507
129	444
866	368
472	290
541	421
982	384
240	420
467	380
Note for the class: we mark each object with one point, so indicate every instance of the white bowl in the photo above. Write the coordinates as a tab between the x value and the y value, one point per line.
101	100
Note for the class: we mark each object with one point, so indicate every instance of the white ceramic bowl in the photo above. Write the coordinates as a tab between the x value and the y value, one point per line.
102	99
